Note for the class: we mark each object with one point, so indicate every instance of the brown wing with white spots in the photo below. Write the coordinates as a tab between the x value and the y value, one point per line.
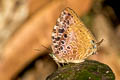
71	40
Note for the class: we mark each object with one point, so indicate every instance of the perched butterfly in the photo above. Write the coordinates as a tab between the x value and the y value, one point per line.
72	42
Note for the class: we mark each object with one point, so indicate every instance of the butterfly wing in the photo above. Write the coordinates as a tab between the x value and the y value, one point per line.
71	40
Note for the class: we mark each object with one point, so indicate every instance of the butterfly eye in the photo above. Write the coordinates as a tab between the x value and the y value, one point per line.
92	42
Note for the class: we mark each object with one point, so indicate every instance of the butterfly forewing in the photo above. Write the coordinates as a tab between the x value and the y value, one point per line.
71	40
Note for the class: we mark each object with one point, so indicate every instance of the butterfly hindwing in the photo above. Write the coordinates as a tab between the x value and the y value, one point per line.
71	40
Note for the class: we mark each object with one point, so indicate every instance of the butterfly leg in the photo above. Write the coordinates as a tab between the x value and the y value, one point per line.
58	64
52	55
63	64
68	64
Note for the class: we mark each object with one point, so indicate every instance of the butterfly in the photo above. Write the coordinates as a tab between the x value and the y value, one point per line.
72	42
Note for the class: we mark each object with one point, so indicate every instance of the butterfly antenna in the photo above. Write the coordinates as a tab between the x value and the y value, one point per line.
98	43
49	50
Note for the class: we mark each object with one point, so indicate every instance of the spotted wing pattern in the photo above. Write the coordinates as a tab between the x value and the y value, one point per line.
72	42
